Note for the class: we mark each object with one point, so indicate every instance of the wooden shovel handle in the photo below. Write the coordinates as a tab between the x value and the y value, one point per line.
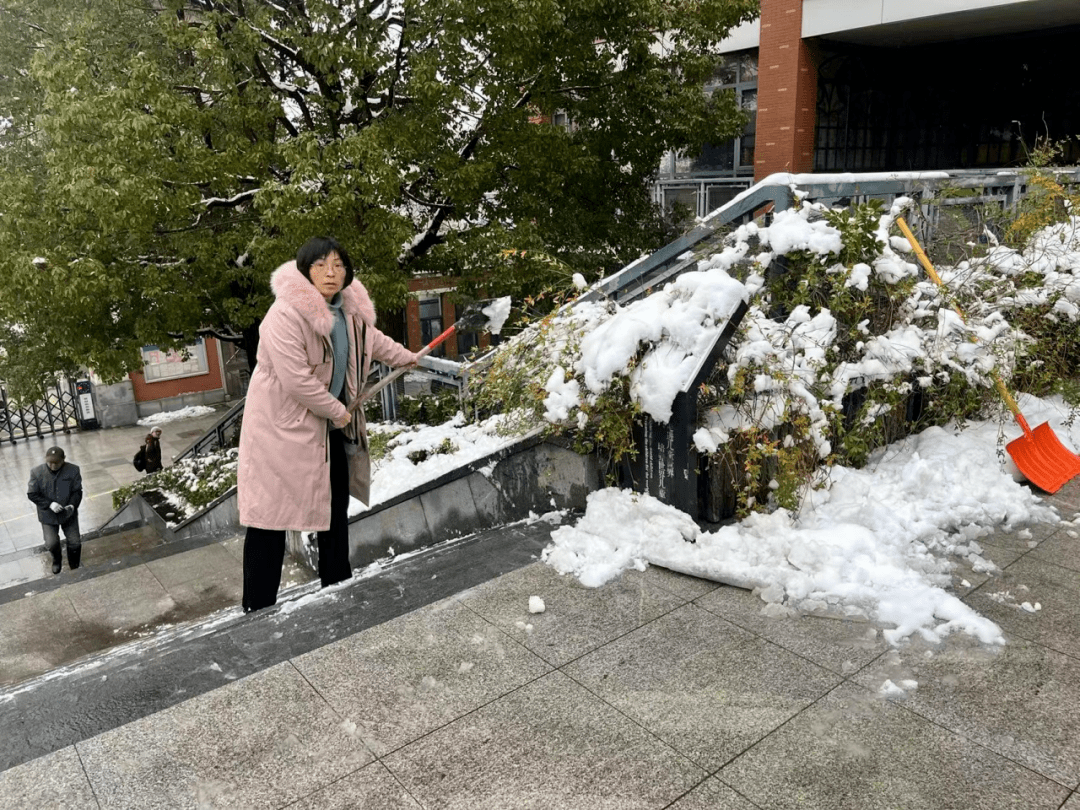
924	260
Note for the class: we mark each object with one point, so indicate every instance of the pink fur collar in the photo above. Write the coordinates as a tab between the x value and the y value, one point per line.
292	288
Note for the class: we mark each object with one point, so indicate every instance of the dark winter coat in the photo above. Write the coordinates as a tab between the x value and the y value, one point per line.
63	486
151	454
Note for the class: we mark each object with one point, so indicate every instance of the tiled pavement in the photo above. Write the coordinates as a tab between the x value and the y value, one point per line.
104	459
432	686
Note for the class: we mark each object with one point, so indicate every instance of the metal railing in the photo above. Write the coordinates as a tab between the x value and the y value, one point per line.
936	191
56	412
219	436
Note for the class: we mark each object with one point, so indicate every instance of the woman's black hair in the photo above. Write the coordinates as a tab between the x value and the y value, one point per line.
319	247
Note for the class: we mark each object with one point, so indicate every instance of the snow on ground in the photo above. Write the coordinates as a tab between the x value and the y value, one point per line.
187	412
877	543
423	453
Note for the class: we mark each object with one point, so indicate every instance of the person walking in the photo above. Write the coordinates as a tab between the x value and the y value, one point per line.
56	489
301	452
152	452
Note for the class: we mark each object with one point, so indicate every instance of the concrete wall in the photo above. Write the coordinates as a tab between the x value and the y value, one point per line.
532	476
115	405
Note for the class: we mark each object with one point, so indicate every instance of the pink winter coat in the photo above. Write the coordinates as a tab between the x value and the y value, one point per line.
284	465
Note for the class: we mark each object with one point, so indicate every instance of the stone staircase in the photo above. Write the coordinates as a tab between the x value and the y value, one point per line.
132	584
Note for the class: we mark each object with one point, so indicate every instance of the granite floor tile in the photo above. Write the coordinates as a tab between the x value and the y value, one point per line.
706	687
263	741
680	584
1020	538
712	794
576	619
38	633
1073	803
122	601
966	577
1020	700
856	751
370	788
56	780
1062	549
550	745
26	532
208	562
402	679
235	546
840	645
11	573
1052	594
201	597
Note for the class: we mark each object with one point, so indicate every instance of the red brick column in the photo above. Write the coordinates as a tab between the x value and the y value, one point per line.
787	92
412	329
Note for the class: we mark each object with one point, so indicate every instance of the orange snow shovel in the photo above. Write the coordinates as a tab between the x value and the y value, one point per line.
1038	454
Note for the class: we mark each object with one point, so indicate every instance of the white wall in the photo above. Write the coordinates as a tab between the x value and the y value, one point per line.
743	38
829	16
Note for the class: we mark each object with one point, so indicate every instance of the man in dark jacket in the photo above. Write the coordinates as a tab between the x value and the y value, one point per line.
56	489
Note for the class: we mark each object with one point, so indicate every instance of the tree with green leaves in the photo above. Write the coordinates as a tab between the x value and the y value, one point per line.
158	158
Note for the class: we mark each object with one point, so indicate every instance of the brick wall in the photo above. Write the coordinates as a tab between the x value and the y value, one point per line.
787	92
147	391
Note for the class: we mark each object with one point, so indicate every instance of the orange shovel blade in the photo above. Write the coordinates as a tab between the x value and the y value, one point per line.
1043	459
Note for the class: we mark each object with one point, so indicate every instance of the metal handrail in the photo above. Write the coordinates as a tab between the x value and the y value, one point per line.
214	438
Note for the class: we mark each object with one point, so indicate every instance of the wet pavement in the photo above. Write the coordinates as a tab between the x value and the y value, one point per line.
104	459
429	684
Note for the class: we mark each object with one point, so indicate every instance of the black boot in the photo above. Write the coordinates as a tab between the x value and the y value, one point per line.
74	555
56	558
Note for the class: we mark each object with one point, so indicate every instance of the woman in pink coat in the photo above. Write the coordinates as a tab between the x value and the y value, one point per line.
301	452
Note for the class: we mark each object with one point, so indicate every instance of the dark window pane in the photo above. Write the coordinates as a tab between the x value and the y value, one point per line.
430	308
715	158
748	67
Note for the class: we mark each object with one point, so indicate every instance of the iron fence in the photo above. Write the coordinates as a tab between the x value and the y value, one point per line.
56	412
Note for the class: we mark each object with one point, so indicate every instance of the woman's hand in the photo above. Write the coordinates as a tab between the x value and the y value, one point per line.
341	421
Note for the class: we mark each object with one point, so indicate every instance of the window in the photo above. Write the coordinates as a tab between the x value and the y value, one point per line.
468	339
431	322
161	364
737	73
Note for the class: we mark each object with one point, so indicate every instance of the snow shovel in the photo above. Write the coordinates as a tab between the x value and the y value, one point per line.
477	316
1038	454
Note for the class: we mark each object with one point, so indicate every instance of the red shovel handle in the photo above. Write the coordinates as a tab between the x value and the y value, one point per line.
393	375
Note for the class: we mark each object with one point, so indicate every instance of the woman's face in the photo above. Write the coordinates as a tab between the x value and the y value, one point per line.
328	275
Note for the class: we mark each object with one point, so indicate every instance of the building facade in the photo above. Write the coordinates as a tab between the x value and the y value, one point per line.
887	85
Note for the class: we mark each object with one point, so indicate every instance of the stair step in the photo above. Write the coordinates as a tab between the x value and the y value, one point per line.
106	689
132	586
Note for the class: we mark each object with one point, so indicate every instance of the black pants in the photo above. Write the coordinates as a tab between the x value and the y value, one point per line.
264	549
71	537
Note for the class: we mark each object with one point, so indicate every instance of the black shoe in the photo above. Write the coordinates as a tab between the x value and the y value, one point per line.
56	567
74	555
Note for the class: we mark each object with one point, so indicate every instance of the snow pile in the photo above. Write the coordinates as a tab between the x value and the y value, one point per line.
878	543
422	453
660	341
188	412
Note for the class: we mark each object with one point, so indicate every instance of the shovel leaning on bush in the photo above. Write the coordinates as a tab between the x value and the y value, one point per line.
1038	454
